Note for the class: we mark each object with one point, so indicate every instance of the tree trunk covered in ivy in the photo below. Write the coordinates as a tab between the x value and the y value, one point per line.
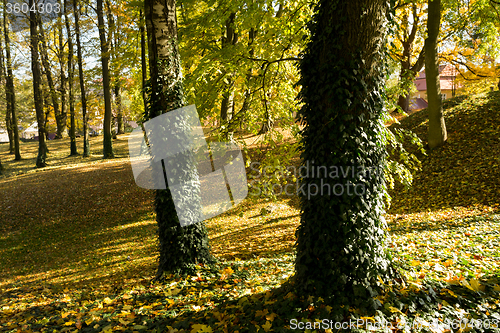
437	129
107	139
37	92
180	247
9	89
341	236
83	96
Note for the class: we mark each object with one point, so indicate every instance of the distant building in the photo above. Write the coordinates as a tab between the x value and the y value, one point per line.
447	76
4	136
31	132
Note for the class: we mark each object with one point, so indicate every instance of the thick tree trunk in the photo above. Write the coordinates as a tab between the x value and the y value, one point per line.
341	238
37	93
107	140
86	142
180	247
9	89
437	128
71	78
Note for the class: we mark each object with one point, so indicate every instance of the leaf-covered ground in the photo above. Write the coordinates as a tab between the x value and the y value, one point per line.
77	249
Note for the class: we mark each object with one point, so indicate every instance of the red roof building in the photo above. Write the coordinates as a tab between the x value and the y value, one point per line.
447	75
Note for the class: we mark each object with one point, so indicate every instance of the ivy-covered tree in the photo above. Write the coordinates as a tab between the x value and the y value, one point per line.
340	245
180	247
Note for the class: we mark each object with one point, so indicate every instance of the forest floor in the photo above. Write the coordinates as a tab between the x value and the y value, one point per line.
78	246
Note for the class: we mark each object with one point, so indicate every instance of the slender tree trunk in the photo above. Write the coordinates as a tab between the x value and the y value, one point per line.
227	103
180	247
62	118
45	98
48	74
8	124
71	79
37	93
86	142
119	109
115	70
9	88
107	141
3	71
143	59
341	237
437	128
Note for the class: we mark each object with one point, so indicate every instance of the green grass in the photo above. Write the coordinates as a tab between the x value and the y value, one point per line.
78	245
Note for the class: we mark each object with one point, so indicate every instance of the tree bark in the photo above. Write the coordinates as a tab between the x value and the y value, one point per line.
119	108
143	59
180	247
229	39
437	128
86	142
37	93
9	89
8	112
341	237
48	74
71	79
407	71
62	118
107	140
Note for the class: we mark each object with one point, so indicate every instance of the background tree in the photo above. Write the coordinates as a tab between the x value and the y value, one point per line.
437	128
180	247
107	139
37	93
9	88
83	93
71	79
341	238
3	72
47	71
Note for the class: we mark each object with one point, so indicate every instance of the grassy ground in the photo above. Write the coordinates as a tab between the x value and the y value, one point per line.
78	246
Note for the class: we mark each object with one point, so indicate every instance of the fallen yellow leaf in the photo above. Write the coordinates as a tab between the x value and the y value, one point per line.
267	326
